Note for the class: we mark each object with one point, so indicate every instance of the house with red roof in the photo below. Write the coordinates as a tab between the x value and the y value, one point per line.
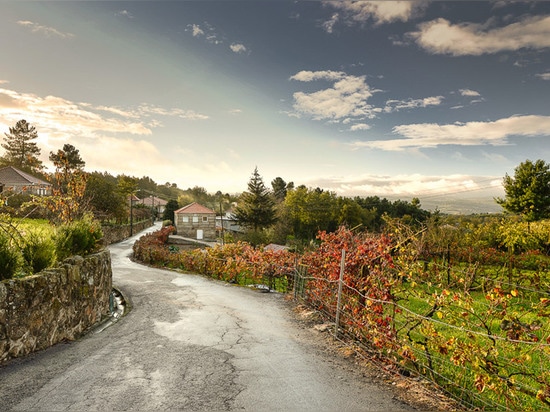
195	221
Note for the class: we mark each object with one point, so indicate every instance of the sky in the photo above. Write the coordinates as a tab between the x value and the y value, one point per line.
434	99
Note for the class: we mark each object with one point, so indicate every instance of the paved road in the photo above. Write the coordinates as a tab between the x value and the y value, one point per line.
189	344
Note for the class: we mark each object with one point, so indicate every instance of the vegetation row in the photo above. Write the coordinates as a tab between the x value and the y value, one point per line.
416	299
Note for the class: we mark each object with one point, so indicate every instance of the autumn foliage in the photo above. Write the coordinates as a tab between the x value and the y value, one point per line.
485	342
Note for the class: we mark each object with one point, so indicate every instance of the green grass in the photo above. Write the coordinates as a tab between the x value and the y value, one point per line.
510	373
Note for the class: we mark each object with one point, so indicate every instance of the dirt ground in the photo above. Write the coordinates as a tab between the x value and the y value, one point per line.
416	392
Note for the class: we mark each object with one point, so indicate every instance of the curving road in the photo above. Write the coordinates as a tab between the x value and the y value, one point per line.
189	344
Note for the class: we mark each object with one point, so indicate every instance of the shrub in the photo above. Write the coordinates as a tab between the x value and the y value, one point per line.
10	258
38	252
79	237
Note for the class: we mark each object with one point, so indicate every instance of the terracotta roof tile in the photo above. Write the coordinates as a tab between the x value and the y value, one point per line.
194	208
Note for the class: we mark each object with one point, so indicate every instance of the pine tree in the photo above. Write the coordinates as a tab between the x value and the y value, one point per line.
256	208
68	167
21	151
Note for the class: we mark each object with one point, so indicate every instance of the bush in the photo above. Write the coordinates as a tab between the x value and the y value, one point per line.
80	237
38	252
10	258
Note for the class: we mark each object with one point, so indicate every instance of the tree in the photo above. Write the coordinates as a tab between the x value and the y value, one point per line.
21	151
528	192
104	198
68	163
312	210
280	188
169	209
127	185
256	208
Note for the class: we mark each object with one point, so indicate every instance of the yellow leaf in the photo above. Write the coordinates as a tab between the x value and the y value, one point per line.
439	314
514	292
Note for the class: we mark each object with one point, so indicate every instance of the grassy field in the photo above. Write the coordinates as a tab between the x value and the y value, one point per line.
488	348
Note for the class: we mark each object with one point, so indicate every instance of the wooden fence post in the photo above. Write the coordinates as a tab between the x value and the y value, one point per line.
339	301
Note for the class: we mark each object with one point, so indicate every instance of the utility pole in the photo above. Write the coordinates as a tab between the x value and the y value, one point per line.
131	214
153	208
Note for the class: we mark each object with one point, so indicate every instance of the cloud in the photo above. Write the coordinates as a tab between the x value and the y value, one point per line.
406	185
125	13
396	105
430	135
238	48
207	31
381	12
329	24
544	76
123	132
442	37
60	120
469	93
145	109
47	31
359	126
346	98
196	30
65	117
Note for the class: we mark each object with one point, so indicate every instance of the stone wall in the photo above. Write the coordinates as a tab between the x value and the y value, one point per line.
54	305
114	234
189	224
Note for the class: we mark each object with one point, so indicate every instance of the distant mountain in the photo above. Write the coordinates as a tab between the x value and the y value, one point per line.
461	205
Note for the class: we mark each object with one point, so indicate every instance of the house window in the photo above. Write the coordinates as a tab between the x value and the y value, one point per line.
195	219
205	219
185	219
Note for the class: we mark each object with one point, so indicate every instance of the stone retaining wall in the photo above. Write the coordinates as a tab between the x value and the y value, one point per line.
114	234
54	305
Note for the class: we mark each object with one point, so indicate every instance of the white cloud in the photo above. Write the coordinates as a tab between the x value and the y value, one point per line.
328	25
59	119
359	126
119	131
346	98
430	135
544	76
442	37
63	116
125	13
146	109
238	48
494	157
380	12
47	31
196	30
308	76
406	185
469	93
207	30
396	105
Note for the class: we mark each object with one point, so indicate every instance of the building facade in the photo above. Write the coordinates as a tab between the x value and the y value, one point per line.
195	221
16	181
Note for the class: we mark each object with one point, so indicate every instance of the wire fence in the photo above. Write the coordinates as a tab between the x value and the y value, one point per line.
487	348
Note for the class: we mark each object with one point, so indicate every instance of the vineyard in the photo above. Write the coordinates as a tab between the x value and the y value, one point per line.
468	317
